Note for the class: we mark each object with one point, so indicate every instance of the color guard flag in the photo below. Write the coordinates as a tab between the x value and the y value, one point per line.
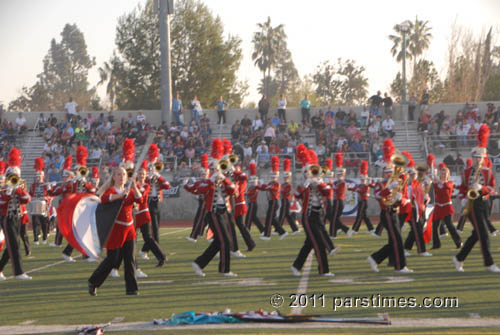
85	222
2	240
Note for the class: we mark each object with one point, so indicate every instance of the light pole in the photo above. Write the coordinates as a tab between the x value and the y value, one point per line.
166	8
405	27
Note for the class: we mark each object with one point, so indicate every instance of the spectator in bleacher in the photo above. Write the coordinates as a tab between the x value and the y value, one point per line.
424	120
67	135
246	123
247	153
177	109
305	108
196	110
388	126
387	104
141	118
317	121
221	110
439	121
21	123
352	130
321	151
424	100
257	123
289	149
263	156
364	117
263	108
276	120
41	122
375	101
53	174
412	105
340	118
269	134
373	129
71	108
293	130
282	107
236	131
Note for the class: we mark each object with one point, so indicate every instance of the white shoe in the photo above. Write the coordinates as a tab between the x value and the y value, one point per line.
44	242
144	255
190	239
68	258
459	266
217	254
339	231
405	270
140	274
229	274
283	236
91	260
374	234
493	268
53	245
373	264
296	232
443	235
425	254
2	277
264	238
275	233
36	243
459	231
407	253
350	232
328	274
404	227
495	233
334	251
237	254
115	273
295	271
197	269
23	276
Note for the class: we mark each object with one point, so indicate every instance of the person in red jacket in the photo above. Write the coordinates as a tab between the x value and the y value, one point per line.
363	190
339	188
199	219
11	198
273	189
311	194
240	208
480	181
252	194
286	197
122	236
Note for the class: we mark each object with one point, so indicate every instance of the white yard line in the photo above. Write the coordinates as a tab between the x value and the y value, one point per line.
302	289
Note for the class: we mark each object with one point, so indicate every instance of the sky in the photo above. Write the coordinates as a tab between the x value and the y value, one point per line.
317	30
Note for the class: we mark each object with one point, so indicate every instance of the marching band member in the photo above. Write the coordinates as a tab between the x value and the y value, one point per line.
327	202
252	194
215	190
158	184
478	182
39	193
199	218
10	200
363	190
122	236
94	179
389	195
339	188
461	196
311	194
273	189
240	207
286	197
443	208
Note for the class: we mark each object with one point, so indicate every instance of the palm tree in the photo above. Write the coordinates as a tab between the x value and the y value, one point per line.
109	72
266	44
419	39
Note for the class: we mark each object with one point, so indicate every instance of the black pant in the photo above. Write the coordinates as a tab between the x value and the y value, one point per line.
198	220
40	222
154	211
23	232
271	219
306	115
263	116
477	216
68	250
411	113
58	239
150	243
245	233
222	117
285	214
315	239
220	243
251	217
11	229
416	234
334	217
362	216
436	224
394	247
232	231
282	114
112	258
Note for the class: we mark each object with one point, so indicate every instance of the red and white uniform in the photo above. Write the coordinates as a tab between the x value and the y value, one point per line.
363	190
381	192
286	191
339	188
212	194
20	197
442	194
417	198
157	185
142	215
40	192
486	180
273	189
240	181
123	229
405	205
252	194
312	195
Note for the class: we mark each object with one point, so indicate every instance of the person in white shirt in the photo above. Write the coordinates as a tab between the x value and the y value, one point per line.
197	110
257	123
262	148
282	107
41	122
141	118
21	123
71	107
95	153
365	117
247	152
387	126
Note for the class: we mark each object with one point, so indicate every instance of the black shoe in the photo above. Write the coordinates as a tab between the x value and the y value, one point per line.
132	293
92	289
161	262
251	248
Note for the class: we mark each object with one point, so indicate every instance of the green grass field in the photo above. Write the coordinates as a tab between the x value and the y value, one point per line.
58	294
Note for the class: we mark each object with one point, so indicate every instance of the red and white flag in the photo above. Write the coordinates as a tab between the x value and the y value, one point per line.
2	239
85	222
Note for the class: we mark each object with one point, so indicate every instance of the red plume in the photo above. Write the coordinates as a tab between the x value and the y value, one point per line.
39	164
339	160
302	154
95	172
286	165
442	165
313	158
483	136
411	163
407	155
128	150
14	157
204	161
275	163
217	149
2	167
145	165
468	162
388	149
488	162
153	152
329	163
363	168
253	169
228	146
68	162
431	160
81	155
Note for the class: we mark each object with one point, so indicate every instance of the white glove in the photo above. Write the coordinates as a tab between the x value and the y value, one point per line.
476	187
393	184
216	176
464	202
185	181
399	196
308	182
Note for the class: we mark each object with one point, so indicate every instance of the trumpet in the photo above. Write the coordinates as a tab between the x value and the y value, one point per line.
223	165
473	194
158	166
130	173
399	161
13	181
83	171
324	171
233	159
315	170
